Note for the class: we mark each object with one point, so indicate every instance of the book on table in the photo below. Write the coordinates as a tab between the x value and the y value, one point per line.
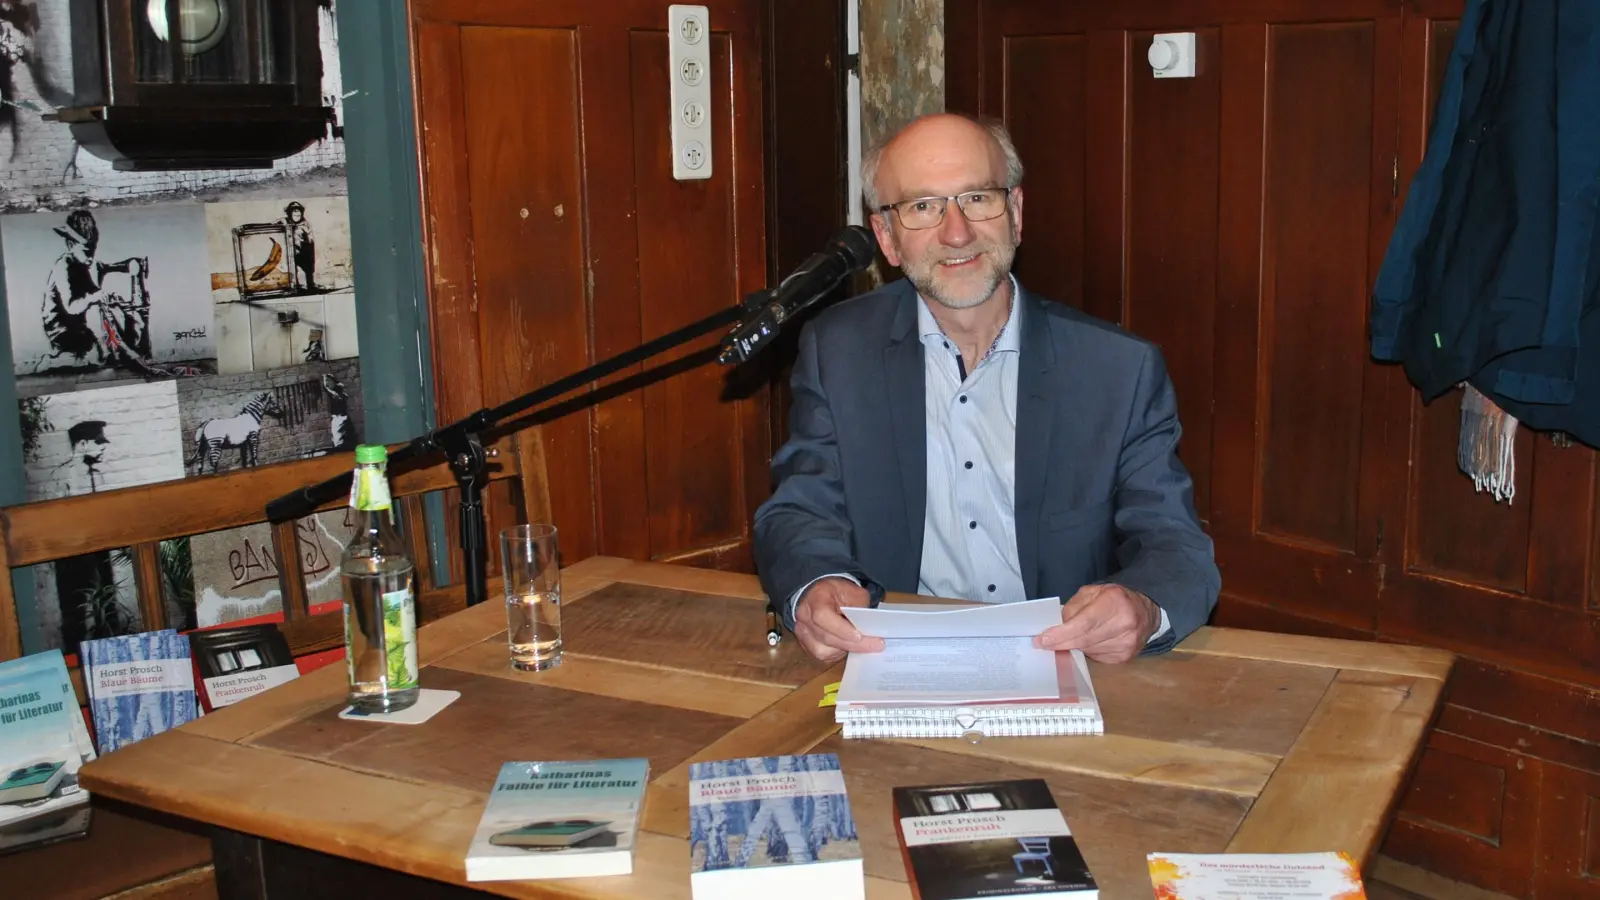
774	828
969	671
43	743
240	661
562	819
985	840
1255	876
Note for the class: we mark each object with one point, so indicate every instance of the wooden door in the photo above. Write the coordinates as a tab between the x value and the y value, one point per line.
558	237
1507	792
1236	219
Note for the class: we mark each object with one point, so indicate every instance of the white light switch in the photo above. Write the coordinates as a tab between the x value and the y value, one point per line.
688	37
1172	55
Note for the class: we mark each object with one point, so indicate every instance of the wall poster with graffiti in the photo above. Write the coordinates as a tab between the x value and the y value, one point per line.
282	281
84	442
241	421
107	294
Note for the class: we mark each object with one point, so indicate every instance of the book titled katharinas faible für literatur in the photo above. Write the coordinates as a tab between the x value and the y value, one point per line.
564	819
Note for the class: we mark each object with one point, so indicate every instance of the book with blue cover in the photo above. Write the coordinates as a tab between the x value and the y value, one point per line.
566	819
773	827
139	685
43	744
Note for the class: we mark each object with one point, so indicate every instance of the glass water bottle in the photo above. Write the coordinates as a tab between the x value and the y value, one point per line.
380	619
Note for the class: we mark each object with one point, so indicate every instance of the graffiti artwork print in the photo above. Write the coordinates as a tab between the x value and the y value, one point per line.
282	281
106	294
84	442
251	419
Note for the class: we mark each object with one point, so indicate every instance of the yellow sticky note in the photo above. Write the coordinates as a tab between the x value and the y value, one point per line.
830	694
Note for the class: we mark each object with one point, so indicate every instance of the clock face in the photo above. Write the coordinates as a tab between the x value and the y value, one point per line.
201	23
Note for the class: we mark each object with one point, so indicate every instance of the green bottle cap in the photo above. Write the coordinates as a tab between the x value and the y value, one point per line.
372	453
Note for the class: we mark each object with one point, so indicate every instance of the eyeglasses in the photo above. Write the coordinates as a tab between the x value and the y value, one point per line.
926	212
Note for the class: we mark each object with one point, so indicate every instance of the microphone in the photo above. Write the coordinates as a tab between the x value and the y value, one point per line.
847	252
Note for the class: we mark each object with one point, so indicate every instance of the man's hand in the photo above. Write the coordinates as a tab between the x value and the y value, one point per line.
824	631
1108	622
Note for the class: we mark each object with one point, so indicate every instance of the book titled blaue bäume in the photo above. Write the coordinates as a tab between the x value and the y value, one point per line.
139	685
774	828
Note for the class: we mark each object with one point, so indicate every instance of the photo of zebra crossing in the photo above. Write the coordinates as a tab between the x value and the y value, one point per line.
255	418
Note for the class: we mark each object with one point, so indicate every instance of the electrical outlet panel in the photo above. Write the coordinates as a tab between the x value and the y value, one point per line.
689	40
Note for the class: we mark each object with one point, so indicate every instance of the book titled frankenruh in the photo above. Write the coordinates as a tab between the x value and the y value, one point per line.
774	828
989	839
139	685
565	819
43	743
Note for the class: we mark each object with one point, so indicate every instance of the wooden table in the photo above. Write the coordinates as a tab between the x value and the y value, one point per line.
1237	741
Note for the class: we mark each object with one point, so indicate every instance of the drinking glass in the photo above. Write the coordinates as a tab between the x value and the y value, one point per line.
530	562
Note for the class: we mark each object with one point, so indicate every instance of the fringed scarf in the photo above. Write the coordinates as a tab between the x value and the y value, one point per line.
1485	450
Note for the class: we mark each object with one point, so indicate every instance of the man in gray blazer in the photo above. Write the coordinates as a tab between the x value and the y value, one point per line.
952	434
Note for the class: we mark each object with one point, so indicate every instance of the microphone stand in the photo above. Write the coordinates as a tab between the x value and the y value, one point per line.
462	441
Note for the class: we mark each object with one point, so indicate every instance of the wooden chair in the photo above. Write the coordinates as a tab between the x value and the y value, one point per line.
140	518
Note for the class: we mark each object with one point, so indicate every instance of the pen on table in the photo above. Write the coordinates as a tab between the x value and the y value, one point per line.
774	634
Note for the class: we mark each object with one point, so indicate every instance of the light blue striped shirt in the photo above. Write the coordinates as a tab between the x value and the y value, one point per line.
969	533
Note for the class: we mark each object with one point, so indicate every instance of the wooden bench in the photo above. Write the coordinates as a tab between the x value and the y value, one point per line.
126	847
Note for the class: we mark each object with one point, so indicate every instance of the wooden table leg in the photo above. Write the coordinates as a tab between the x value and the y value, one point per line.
252	868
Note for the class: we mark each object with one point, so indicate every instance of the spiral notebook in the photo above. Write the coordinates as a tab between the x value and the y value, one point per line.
969	672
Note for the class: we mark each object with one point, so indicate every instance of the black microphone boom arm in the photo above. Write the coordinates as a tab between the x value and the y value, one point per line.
462	441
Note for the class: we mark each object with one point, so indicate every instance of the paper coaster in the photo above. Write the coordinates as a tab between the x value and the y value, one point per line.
429	702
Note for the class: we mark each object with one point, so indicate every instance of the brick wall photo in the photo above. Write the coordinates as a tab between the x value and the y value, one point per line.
254	418
45	174
42	166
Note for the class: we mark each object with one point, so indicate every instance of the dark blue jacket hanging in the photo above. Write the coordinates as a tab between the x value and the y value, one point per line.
1487	274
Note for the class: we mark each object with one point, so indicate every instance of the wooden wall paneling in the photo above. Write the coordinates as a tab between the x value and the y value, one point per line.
1320	129
1050	125
1237	382
963	57
1457	532
1569	821
546	211
686	273
1302	529
752	400
1472	812
1505	583
1105	174
1174	141
525	180
447	231
806	160
614	235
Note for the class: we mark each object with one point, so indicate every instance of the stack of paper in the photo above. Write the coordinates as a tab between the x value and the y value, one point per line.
964	671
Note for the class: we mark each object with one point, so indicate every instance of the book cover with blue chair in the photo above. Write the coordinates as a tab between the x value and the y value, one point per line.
989	839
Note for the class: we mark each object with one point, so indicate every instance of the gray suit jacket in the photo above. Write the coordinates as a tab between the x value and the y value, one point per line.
1100	493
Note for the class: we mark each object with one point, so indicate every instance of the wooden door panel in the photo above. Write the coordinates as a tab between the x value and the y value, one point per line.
1459	533
1472	811
1050	125
1300	454
525	183
1171	295
1319	139
1570	813
686	272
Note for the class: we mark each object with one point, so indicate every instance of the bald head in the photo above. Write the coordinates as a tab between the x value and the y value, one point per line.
939	145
